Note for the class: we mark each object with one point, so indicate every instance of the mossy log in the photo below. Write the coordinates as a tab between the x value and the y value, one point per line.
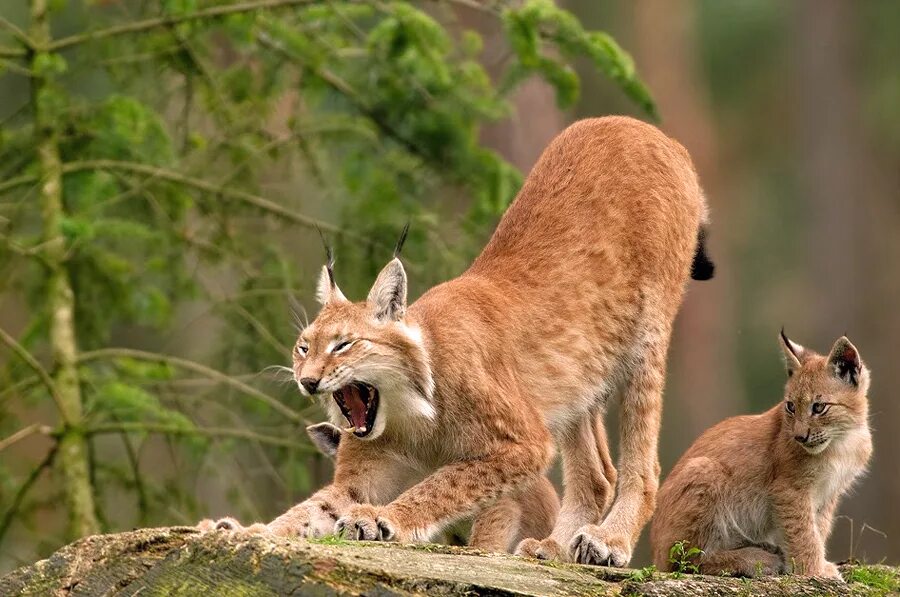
181	561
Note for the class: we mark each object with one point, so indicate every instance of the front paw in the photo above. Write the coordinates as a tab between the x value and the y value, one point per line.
310	519
592	545
365	523
544	549
230	524
829	570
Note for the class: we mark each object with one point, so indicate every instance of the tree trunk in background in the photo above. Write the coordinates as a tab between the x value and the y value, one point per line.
72	451
840	188
830	168
702	383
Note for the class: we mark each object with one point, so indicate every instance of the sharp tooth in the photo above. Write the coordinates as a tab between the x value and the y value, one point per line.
350	429
362	429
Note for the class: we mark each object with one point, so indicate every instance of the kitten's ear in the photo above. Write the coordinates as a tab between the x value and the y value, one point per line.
388	294
844	361
793	353
327	290
326	437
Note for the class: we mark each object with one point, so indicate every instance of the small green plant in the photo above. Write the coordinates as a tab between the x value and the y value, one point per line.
643	574
683	558
883	580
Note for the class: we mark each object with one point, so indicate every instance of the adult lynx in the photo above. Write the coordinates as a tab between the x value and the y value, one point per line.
459	399
753	485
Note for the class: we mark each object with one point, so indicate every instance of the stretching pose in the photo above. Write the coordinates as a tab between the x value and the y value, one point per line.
459	399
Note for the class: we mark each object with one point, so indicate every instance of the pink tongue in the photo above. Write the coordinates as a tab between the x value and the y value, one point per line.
356	406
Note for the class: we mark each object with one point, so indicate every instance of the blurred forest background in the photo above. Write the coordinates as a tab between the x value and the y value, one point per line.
163	166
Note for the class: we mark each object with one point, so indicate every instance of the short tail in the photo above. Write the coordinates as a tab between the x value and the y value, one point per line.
702	268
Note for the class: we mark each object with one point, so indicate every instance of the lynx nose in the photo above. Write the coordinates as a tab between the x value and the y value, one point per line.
309	384
802	438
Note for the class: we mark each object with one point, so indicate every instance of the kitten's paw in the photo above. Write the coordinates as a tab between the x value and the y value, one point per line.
231	524
545	549
767	564
829	570
309	519
365	523
591	545
206	525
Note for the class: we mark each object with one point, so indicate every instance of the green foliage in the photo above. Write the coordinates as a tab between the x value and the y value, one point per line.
174	237
538	22
643	574
683	558
884	580
122	402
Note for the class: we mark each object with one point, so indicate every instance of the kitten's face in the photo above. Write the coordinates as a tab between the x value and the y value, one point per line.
825	397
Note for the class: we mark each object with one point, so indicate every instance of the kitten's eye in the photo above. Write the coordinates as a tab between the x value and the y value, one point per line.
301	350
341	346
819	408
789	406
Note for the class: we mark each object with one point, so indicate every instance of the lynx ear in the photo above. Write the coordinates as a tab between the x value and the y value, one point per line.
793	354
844	361
327	291
388	294
326	438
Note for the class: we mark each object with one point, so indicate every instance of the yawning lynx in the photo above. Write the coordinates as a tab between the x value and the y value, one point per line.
461	396
754	485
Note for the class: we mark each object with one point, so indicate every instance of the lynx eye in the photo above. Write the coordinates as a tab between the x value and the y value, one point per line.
789	406
341	346
301	350
819	408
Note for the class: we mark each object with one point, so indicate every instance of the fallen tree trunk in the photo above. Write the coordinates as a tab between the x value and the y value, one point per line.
181	561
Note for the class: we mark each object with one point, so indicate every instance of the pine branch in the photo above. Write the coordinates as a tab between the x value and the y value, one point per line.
34	365
266	205
20	386
21	434
12	53
16	31
130	353
10	514
167	21
216	432
33	252
12	183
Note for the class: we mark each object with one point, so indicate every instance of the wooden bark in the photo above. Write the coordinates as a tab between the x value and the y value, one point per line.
72	451
181	561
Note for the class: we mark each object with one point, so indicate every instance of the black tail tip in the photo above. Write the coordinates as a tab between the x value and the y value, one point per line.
702	267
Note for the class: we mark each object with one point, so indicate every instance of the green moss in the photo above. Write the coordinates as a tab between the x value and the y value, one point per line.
187	586
331	540
882	579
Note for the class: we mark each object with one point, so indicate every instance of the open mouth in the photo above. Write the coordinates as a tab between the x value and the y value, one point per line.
359	403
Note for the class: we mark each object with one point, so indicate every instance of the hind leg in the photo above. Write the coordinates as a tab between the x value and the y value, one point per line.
752	560
587	469
611	542
529	513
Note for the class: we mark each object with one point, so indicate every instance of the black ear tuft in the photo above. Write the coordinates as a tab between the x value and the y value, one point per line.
400	241
329	257
793	353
